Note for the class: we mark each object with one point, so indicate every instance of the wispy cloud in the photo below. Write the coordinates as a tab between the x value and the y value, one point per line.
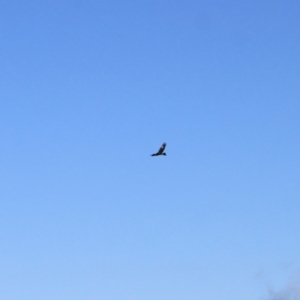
291	292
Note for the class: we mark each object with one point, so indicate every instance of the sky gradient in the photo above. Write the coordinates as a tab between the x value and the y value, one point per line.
89	89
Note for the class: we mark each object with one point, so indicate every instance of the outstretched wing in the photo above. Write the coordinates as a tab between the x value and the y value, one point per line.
162	148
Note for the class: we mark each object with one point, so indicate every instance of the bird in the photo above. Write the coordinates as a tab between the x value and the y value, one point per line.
160	151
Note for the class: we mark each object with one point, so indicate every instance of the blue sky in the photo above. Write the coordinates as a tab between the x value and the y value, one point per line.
89	89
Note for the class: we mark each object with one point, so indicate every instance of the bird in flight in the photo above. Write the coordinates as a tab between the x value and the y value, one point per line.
161	150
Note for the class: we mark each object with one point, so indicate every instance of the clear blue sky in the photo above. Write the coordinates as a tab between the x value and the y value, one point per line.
89	89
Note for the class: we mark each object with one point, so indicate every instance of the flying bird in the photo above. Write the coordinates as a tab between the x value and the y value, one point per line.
161	150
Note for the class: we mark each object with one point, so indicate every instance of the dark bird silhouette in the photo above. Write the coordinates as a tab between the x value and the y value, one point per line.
161	150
